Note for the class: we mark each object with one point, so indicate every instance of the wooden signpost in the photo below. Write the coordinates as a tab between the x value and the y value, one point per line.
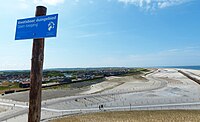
37	28
35	95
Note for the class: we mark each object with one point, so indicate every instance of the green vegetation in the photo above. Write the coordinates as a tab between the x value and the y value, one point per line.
4	87
53	74
94	79
65	86
50	81
136	71
136	116
8	86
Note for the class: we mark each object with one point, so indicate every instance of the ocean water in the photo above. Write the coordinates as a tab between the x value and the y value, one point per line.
184	67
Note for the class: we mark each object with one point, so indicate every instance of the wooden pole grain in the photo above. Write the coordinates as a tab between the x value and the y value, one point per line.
34	114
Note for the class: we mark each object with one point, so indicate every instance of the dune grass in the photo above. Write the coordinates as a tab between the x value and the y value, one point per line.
136	116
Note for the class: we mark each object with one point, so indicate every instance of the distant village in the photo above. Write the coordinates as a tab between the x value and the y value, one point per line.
52	77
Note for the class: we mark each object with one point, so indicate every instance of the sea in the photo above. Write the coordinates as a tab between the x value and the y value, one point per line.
182	67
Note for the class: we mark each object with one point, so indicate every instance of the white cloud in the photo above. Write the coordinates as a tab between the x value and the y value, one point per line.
153	4
49	2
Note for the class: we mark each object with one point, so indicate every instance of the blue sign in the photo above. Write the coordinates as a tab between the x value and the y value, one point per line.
37	27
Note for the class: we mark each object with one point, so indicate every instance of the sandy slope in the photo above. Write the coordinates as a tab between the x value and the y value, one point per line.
164	86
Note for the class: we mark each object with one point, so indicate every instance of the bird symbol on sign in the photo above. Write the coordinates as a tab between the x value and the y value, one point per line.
51	26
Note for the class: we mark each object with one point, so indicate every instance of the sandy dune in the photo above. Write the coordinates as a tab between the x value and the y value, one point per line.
163	86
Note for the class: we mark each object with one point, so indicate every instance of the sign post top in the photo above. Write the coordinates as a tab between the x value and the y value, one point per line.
40	10
37	27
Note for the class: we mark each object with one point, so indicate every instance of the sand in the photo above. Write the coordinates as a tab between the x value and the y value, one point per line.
135	116
163	86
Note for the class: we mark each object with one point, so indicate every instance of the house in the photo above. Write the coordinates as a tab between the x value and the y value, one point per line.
24	84
66	80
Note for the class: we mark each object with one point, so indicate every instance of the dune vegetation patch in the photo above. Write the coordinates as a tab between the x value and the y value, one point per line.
136	116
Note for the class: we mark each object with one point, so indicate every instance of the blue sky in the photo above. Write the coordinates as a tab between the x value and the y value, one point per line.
100	33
